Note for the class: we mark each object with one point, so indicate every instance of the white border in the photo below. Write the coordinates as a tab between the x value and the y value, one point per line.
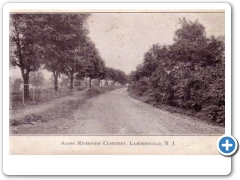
114	165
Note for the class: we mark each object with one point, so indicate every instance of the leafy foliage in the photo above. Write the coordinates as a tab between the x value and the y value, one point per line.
58	43
115	75
189	74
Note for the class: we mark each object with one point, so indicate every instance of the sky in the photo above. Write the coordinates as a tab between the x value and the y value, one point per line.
123	38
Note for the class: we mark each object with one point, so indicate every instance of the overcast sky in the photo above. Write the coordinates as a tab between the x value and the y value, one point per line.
123	38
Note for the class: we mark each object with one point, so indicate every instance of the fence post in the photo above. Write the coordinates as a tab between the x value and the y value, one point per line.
23	94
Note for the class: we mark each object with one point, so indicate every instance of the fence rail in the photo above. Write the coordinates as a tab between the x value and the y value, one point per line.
37	95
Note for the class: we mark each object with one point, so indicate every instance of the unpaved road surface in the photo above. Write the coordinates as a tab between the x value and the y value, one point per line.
41	107
116	113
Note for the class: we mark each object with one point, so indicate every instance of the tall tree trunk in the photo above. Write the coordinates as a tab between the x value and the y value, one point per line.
55	75
25	77
56	83
26	86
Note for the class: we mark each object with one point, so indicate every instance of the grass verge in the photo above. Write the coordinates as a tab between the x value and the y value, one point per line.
63	109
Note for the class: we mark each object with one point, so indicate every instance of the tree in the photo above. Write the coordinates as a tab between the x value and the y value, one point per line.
24	47
190	42
91	64
120	77
64	35
73	33
196	55
115	75
97	69
109	74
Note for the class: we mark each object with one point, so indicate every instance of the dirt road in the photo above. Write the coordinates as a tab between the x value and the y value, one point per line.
116	113
42	107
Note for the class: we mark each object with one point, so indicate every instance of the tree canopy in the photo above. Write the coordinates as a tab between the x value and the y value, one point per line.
58	43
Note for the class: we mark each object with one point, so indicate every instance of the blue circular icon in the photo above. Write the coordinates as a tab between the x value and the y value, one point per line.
227	145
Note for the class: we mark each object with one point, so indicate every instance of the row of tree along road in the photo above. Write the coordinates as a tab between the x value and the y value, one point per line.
60	44
188	75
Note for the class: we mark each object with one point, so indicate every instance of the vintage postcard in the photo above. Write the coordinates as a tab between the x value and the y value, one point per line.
97	79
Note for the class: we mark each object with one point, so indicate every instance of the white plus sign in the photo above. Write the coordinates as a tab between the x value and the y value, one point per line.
227	145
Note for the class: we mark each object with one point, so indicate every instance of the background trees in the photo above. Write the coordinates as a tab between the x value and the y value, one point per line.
115	75
189	74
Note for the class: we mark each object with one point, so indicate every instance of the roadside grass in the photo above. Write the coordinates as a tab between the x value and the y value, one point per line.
64	109
40	96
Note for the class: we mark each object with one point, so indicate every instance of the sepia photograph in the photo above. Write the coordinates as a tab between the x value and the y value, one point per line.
117	73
